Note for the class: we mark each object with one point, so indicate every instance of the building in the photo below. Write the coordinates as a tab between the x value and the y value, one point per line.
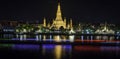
105	30
58	22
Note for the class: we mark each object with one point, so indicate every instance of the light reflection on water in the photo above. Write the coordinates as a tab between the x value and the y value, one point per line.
115	50
110	48
62	51
25	47
57	38
49	50
95	52
52	51
57	50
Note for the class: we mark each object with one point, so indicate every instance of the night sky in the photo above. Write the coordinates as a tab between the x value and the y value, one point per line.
93	11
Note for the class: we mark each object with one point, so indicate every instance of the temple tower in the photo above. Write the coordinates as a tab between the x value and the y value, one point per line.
71	24
58	22
44	22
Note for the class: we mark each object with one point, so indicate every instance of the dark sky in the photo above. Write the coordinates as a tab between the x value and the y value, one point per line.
79	10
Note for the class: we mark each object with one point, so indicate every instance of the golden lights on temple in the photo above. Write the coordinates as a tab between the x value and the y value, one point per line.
58	21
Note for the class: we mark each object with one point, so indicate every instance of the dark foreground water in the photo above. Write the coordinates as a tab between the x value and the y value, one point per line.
28	51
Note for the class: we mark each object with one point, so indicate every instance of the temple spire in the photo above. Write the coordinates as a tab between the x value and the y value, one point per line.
44	22
58	22
71	23
58	15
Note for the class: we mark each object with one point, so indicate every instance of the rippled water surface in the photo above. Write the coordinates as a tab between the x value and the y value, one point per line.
51	51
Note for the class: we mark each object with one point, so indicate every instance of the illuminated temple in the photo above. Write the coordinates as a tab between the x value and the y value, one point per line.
58	22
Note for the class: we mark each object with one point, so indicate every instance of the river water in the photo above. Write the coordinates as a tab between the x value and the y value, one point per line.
51	51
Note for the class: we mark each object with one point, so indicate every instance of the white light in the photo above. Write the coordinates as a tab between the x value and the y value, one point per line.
71	38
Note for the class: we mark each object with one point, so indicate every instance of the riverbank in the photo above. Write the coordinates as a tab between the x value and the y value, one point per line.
85	42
